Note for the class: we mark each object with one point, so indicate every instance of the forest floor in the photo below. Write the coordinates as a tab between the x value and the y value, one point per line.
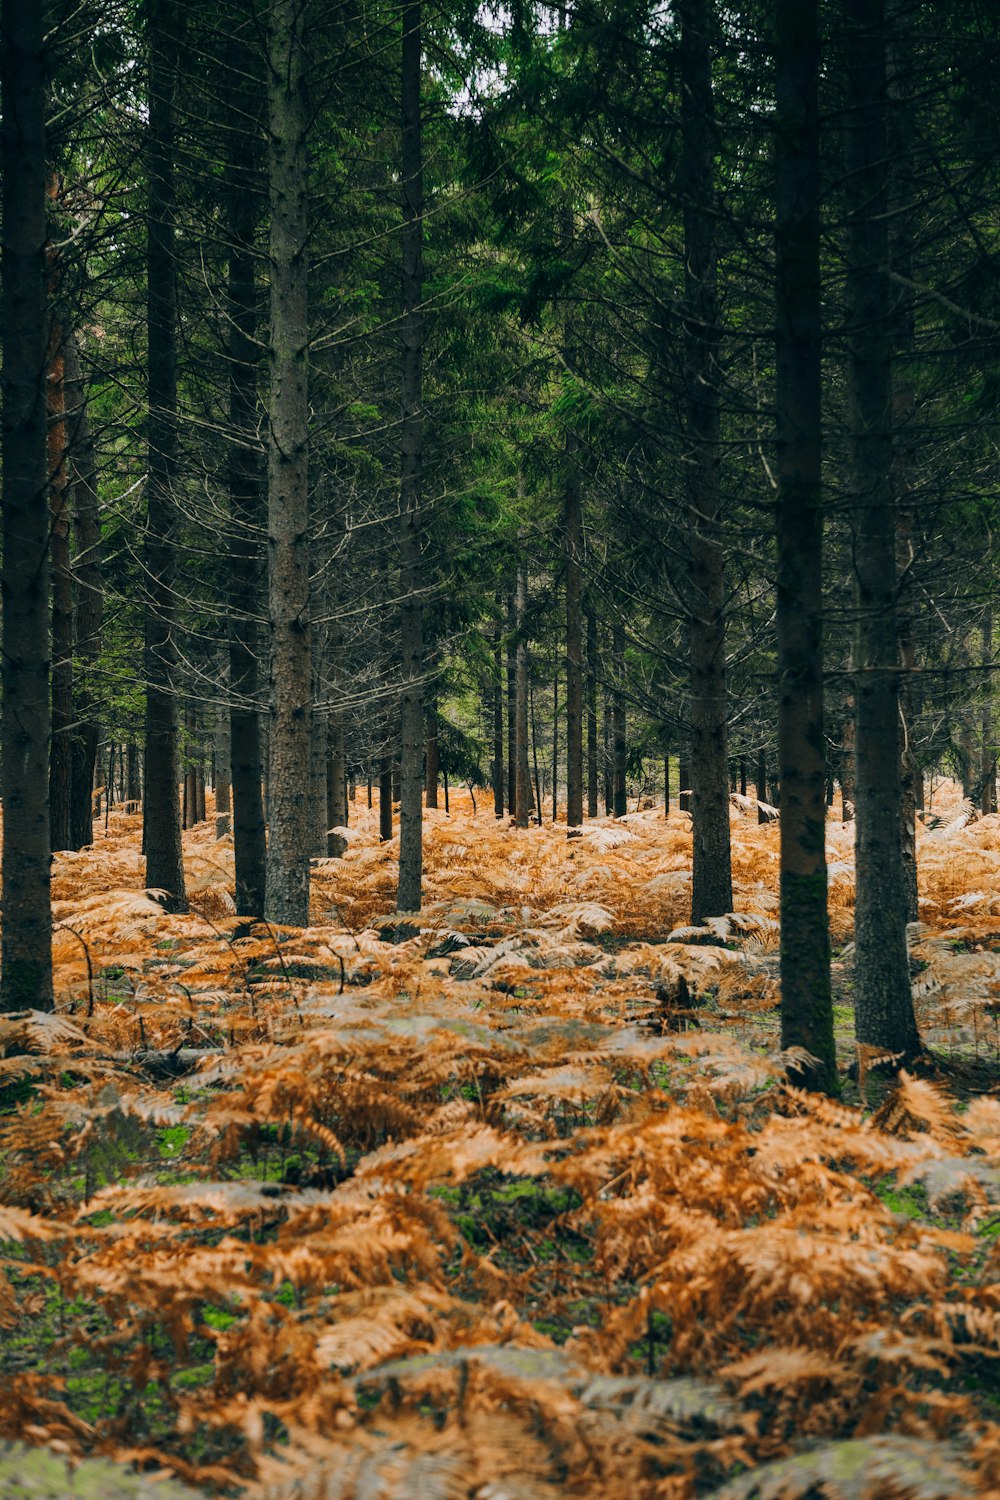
508	1200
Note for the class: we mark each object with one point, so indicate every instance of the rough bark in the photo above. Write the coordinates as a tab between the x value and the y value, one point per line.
286	896
61	757
619	745
884	1015
431	759
711	873
223	773
806	1001
573	543
26	941
162	821
592	751
243	184
337	811
89	621
522	777
411	625
848	764
498	740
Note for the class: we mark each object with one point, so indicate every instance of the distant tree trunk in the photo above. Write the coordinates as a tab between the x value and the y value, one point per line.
666	784
498	743
286	897
242	190
848	763
806	1000
61	758
884	1015
608	759
522	793
555	748
573	541
534	754
684	781
512	704
337	812
620	744
761	782
164	862
385	800
989	754
431	758
592	755
89	601
411	825
133	780
711	872
26	933
223	775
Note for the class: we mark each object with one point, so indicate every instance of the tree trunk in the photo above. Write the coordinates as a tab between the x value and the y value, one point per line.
408	895
337	811
61	758
848	765
385	800
522	793
286	898
26	940
592	755
89	601
498	742
512	704
431	760
223	775
555	749
806	1000
711	872
242	189
573	541
666	784
619	778
684	781
901	129
162	825
884	1015
989	754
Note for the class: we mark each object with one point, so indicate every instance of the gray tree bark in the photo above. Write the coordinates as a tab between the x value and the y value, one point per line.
286	896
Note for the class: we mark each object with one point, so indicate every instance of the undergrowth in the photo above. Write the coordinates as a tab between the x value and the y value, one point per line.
508	1200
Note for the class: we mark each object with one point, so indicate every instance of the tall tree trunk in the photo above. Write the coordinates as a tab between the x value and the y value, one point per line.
806	999
901	135
61	758
286	897
619	771
408	895
522	782
498	741
848	765
512	703
884	1015
684	780
242	187
989	754
573	541
89	600
26	934
555	746
592	751
162	823
711	872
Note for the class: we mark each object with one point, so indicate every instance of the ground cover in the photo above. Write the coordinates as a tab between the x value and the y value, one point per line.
509	1199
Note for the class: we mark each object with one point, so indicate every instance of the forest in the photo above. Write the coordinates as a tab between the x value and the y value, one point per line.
500	876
